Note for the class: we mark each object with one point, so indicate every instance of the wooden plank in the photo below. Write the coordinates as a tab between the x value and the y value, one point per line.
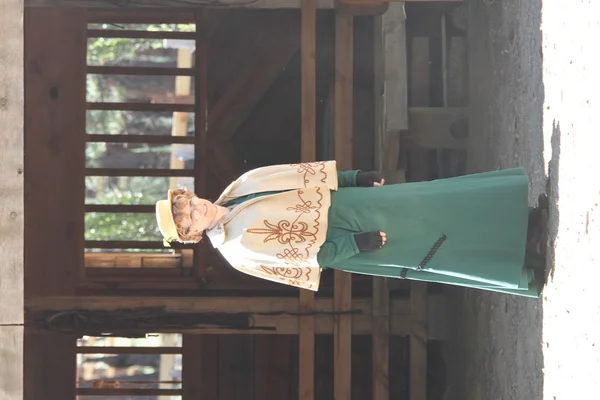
418	341
379	129
124	273
458	82
420	87
11	200
149	71
306	338
383	159
201	150
200	374
55	156
155	107
420	72
154	172
343	122
127	392
125	244
236	372
149	16
149	139
201	109
276	317
381	338
54	161
126	34
324	367
396	68
267	4
49	365
128	350
273	368
120	208
436	128
308	78
362	367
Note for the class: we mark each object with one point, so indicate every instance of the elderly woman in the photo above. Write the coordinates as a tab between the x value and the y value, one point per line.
285	223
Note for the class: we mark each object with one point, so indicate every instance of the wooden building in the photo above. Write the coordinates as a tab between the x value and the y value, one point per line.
372	85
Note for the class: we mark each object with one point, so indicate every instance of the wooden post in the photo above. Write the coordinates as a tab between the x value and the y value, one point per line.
343	121
418	341
262	315
11	199
306	339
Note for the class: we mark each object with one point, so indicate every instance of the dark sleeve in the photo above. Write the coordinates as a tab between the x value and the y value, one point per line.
347	178
337	250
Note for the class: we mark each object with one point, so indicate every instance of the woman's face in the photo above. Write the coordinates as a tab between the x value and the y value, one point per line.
203	214
194	214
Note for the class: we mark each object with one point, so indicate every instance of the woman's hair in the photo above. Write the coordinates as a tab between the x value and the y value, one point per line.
181	208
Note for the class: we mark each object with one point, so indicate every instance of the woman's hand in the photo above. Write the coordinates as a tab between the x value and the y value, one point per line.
369	179
369	241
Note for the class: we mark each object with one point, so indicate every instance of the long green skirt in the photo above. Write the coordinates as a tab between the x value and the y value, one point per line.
468	231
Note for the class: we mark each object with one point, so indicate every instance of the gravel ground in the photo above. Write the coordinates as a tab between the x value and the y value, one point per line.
533	93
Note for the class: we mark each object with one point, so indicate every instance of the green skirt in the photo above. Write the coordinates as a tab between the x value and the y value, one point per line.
468	231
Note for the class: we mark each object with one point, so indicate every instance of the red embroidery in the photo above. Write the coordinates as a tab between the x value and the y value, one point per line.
314	168
284	232
294	276
293	233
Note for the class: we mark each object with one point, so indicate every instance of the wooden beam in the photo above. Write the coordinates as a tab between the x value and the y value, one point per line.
55	157
128	350
343	128
127	392
156	107
418	341
396	68
152	172
269	315
381	339
128	244
324	4
150	71
306	338
149	139
11	199
200	372
132	16
140	34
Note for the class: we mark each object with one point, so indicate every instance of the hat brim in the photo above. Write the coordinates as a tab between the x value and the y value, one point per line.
164	218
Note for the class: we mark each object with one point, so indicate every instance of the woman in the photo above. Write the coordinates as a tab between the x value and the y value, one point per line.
286	222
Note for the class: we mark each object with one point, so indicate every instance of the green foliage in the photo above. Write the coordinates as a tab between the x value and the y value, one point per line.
124	226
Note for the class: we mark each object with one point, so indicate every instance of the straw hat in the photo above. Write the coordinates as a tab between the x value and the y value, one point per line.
164	218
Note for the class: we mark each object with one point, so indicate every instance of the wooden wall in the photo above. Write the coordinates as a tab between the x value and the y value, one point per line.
55	46
264	367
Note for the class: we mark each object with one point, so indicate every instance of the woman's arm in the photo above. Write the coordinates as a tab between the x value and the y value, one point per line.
337	250
355	178
343	247
347	178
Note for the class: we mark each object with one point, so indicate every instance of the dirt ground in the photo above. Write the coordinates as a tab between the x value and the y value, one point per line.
534	90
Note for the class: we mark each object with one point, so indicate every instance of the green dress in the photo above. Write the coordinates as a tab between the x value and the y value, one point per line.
468	231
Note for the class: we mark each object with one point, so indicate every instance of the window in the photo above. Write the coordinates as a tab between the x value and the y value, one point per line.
139	369
146	125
